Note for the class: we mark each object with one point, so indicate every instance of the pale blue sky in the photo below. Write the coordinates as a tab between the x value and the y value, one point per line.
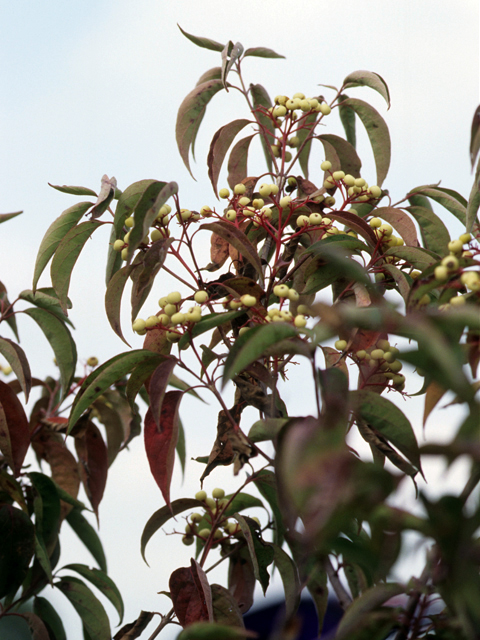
93	87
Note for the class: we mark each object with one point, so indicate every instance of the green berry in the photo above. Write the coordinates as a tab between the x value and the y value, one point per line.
265	190
201	495
224	193
300	322
188	540
326	165
239	189
200	297
338	175
465	237
281	291
441	273
324	109
129	222
303	221
231	215
455	246
139	325
204	533
285	201
248	301
450	262
341	345
218	493
118	245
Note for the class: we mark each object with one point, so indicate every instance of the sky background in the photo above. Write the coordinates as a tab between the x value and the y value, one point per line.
93	87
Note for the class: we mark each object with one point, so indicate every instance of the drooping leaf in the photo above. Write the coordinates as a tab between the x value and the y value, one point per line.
348	157
88	607
66	256
225	608
61	342
266	483
291	582
36	625
163	515
143	276
191	596
103	583
306	131
114	427
114	258
240	502
136	628
433	395
401	222
474	136
261	553
219	146
17	359
87	534
266	429
347	118
209	322
14	429
206	43
126	205
47	521
190	115
368	79
234	236
252	344
103	377
8	216
230	54
106	195
46	298
241	578
181	448
113	297
237	161
157	386
416	256
139	376
211	74
473	202
9	316
74	191
262	52
47	612
444	198
12	488
260	98
178	383
377	132
214	631
401	281
55	234
160	441
18	538
93	458
435	234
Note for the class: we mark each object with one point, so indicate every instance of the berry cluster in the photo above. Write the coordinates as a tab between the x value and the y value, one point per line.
381	357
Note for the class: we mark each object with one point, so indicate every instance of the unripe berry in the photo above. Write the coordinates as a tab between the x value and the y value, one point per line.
341	345
170	309
388	356
196	517
465	237
276	150
300	321
265	190
248	300
338	175
293	295
92	362
377	354
125	253
387	229
303	309
457	301
303	221
258	203
379	277
398	379
139	325
243	330
273	189
200	297
324	109
349	180
326	165
383	344
239	189
279	111
118	245
361	354
184	215
201	495
330	201
375	191
188	540
280	99
218	493
441	273
375	223
173	336
424	300
204	533
329	183
455	246
152	321
206	211
231	215
129	222
285	201
396	366
293	142
360	182
174	297
177	318
450	262
155	235
266	213
164	319
281	291
315	218
224	193
471	280
299	95
288	156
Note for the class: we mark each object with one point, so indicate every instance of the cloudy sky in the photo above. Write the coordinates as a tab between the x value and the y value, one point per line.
93	87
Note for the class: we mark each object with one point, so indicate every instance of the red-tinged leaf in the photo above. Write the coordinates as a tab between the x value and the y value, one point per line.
209	322
106	195
17	534
348	157
113	298
212	74
473	202
114	258
241	578
306	131
347	118
230	54
433	395
417	257
252	344
157	386
401	222
262	52
136	628
261	553
140	376
17	359
400	280
8	216
93	463
88	607
115	427
160	441
61	342
14	429
237	161
368	79
10	317
434	233
225	608
238	240
146	211
260	98
189	601
46	298
190	115
443	197
163	515
66	256
74	191
219	146
127	204
103	583
291	582
206	43
474	136
102	379
156	341
37	627
44	610
377	132
87	534
143	276
331	155
55	234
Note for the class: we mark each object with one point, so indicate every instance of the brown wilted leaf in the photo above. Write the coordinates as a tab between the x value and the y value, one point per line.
219	251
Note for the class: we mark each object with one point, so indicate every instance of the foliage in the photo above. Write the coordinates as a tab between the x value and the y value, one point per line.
276	242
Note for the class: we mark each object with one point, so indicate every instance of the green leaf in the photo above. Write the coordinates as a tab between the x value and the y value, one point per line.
8	216
87	534
417	257
291	582
46	298
348	157
305	145
177	383
474	136
266	483
103	377
346	242
190	115
237	162
66	256
18	538
240	502
163	515
150	263
378	134
251	346
266	429
209	322
225	607
103	583
113	298
206	43
368	79
219	146
139	375
55	234
181	446
262	52
17	359
444	198
61	342
127	203
46	612
114	258
234	236
211	74
47	520
435	234
214	631
401	281
261	553
347	118
74	191
11	317
473	202
386	418
88	607
260	98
